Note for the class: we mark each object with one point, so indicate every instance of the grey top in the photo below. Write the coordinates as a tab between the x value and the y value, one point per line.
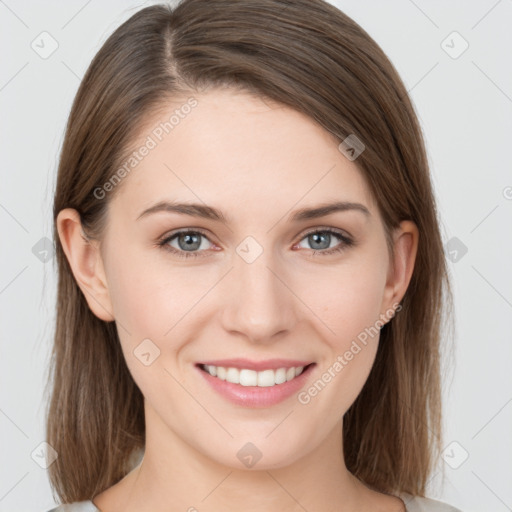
412	504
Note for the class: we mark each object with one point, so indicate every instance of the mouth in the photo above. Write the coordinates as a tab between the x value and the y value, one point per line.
255	385
247	377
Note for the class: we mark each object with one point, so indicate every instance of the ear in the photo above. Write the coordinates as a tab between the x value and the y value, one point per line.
405	241
85	260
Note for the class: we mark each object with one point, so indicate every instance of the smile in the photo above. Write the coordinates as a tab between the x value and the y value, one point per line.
247	377
251	383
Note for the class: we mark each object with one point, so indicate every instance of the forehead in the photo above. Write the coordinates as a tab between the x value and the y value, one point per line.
232	148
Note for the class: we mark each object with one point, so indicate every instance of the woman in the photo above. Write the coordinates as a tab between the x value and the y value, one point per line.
251	275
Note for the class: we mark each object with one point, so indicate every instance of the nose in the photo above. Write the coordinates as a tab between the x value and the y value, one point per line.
259	303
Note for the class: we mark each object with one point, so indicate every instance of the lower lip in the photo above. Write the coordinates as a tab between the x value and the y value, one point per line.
255	396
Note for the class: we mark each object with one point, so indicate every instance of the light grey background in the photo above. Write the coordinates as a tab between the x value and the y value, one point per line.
464	105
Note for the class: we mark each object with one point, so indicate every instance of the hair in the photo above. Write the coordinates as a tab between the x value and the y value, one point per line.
307	55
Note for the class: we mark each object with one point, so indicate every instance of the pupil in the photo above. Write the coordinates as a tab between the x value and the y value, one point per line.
316	236
189	241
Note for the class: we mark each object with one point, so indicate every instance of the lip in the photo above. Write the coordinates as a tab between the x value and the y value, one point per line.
268	364
255	396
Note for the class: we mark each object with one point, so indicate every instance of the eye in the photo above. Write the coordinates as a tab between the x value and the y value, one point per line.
188	241
321	239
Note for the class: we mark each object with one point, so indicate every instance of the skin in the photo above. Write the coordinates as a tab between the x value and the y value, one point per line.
257	162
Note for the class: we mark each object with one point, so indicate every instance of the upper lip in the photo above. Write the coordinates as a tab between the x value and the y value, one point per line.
268	364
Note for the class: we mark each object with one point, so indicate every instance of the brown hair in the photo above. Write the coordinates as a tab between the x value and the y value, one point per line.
307	55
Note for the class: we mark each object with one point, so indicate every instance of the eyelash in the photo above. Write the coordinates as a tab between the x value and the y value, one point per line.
345	242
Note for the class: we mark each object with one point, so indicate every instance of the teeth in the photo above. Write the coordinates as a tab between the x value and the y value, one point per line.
244	377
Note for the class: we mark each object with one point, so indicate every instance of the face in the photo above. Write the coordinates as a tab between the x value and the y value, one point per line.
263	287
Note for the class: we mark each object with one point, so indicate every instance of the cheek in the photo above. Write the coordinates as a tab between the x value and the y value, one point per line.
147	304
150	298
348	299
154	300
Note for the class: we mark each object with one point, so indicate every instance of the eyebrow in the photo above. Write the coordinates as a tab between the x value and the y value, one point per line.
211	213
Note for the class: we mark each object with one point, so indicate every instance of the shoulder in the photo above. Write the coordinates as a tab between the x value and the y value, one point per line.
77	506
419	504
